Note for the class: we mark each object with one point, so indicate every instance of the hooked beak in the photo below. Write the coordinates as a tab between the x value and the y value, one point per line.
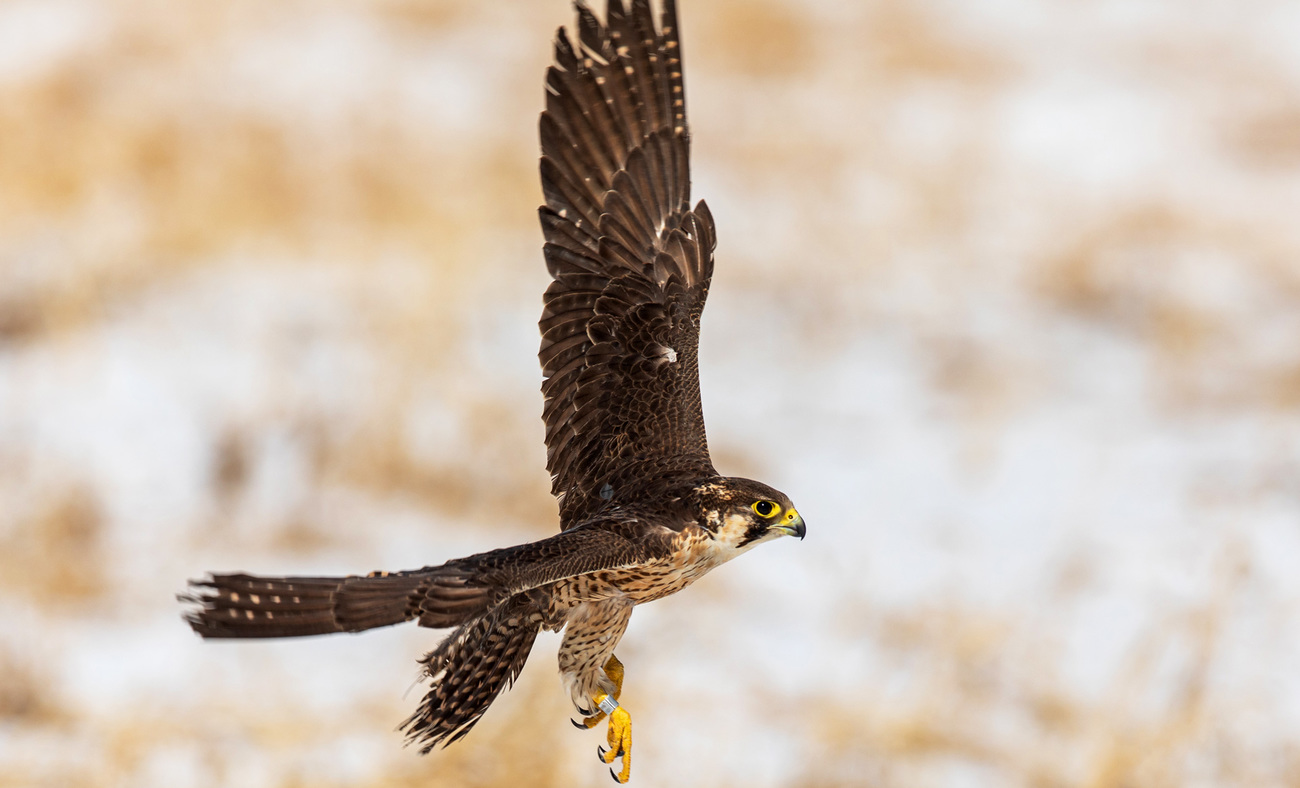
791	524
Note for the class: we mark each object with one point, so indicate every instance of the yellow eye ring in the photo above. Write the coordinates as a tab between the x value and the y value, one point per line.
766	509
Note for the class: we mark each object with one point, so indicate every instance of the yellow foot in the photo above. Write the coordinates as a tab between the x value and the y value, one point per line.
620	723
613	669
620	743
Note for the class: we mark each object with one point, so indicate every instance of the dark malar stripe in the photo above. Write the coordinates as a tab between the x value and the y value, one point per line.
755	531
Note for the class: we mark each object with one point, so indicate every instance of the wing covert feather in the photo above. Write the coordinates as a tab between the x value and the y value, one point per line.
596	546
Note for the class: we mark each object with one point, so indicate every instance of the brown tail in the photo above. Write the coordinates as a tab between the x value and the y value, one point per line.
470	668
247	606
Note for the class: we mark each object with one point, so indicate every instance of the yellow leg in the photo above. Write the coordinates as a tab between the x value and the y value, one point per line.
613	669
620	743
619	736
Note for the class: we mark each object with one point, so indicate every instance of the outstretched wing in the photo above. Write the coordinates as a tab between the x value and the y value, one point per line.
452	594
631	263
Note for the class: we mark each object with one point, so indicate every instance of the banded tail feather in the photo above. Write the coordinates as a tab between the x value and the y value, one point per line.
250	606
467	671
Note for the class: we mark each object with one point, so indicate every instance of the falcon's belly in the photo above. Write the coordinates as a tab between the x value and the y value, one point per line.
694	554
594	610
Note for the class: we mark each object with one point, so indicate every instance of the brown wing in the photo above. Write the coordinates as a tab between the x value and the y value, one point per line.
610	542
631	264
453	594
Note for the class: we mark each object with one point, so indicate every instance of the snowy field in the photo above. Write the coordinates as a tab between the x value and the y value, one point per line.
1007	299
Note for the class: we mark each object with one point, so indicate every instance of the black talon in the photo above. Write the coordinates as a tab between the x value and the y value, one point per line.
577	724
600	753
615	776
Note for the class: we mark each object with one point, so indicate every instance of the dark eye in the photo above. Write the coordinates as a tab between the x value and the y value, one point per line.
766	509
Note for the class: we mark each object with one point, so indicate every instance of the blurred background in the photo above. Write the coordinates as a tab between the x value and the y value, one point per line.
1007	299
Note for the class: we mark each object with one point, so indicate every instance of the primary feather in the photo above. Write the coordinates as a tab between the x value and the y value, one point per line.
630	262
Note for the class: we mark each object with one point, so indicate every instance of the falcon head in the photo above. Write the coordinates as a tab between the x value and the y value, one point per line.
740	513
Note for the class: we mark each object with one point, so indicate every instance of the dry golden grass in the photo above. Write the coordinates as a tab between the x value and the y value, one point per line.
959	668
137	172
130	746
53	556
26	693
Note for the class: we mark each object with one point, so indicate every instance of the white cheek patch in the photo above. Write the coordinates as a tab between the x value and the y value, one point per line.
733	530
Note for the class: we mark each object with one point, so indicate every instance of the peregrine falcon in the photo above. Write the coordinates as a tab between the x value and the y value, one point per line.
642	510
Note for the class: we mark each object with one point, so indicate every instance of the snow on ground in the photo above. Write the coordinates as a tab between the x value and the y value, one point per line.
1006	300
